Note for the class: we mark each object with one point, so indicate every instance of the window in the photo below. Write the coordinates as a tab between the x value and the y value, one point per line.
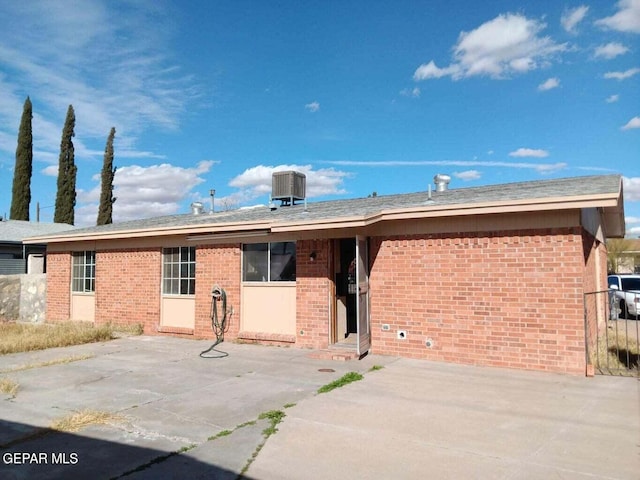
269	262
83	275
631	284
179	271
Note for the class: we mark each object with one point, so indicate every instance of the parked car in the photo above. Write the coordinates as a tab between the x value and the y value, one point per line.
625	294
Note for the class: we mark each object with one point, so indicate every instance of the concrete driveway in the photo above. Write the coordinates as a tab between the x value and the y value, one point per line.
181	416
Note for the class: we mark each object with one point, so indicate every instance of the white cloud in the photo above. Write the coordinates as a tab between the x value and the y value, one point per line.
622	75
549	84
105	61
256	181
612	98
572	17
631	186
631	219
529	152
542	168
626	19
50	171
143	192
631	124
430	70
312	107
504	46
610	50
410	92
467	175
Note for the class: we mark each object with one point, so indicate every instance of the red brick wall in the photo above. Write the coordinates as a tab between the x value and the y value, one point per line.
507	299
128	287
312	294
217	265
596	304
58	286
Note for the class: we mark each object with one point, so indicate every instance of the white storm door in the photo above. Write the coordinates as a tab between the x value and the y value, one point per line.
362	304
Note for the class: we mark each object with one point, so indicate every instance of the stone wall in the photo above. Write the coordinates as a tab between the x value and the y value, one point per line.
23	298
9	298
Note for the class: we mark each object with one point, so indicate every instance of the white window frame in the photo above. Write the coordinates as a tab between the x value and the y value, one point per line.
177	276
83	271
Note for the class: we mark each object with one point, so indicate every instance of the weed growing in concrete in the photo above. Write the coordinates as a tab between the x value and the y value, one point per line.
274	417
246	424
346	379
83	418
289	405
48	363
9	386
376	368
186	448
222	433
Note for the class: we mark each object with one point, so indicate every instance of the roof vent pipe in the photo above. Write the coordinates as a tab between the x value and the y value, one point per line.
196	208
442	182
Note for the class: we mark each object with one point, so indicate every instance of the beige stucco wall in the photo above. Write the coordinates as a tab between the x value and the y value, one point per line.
83	306
269	308
178	312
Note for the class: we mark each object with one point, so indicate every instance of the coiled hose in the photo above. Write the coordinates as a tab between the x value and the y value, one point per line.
218	326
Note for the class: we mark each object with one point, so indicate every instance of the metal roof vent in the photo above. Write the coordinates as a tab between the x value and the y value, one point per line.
288	186
442	182
197	208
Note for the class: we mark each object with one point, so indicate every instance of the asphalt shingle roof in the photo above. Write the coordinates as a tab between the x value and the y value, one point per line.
14	231
336	209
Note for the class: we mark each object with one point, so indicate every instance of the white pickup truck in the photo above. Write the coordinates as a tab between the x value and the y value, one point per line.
625	294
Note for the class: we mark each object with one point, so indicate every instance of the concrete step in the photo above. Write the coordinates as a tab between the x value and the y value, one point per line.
339	354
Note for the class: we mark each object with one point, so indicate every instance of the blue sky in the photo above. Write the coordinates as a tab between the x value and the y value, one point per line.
361	96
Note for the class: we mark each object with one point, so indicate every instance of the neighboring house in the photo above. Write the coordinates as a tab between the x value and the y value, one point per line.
629	260
17	257
490	275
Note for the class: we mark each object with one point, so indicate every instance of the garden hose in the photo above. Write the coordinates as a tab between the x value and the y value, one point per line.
218	326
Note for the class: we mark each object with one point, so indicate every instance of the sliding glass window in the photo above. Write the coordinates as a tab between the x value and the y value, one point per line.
269	262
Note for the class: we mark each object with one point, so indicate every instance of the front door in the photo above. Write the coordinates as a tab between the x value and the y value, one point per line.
362	301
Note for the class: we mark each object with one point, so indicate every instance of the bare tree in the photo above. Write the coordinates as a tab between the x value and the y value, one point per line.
615	248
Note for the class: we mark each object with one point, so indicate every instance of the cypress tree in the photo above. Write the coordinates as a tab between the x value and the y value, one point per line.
21	192
105	210
66	195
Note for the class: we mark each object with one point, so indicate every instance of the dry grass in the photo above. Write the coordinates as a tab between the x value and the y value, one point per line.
9	386
48	363
617	353
133	329
16	337
83	418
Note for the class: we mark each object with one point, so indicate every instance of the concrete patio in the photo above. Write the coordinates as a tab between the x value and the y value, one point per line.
409	419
